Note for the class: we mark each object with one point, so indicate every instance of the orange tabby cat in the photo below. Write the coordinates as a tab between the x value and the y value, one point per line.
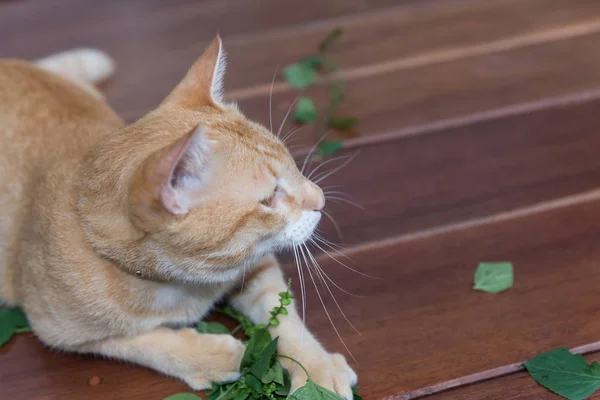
111	236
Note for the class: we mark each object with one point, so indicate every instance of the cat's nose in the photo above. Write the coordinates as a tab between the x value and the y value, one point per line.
313	198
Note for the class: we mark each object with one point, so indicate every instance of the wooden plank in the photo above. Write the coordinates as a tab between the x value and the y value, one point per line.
422	324
519	386
157	42
431	180
420	95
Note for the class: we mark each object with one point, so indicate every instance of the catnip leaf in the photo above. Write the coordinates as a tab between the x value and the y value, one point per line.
212	327
274	374
12	321
299	75
312	391
305	111
259	341
183	396
329	147
261	366
242	394
330	38
494	277
254	384
343	124
566	374
313	62
284	390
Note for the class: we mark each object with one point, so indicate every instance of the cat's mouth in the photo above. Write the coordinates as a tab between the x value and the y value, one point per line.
299	232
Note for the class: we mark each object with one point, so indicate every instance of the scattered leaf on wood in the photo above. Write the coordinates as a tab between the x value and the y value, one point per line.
566	374
494	277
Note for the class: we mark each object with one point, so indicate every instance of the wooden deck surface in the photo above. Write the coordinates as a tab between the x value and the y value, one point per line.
479	138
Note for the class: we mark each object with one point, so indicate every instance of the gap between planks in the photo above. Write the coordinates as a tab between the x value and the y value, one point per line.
574	98
480	376
571	31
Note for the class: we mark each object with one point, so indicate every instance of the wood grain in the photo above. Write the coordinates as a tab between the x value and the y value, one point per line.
468	172
421	322
414	96
156	41
518	386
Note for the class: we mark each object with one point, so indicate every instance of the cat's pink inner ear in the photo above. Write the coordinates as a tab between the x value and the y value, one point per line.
203	83
181	171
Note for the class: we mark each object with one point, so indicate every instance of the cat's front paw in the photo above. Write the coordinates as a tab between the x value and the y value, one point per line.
328	370
224	358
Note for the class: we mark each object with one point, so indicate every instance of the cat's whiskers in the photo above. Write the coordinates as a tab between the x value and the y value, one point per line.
271	100
326	162
287	115
301	248
289	135
322	177
321	273
335	224
342	200
312	150
324	274
337	260
302	284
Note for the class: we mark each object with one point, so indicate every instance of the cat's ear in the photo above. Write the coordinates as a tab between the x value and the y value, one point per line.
203	83
182	172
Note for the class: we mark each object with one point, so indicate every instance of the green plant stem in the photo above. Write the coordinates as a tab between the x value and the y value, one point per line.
278	310
296	361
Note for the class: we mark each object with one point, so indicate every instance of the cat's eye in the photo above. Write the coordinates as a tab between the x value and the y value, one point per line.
268	201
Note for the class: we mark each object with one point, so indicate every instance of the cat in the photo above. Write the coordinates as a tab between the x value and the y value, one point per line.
114	238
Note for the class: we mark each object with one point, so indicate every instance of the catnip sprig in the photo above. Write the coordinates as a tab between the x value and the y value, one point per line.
304	74
285	299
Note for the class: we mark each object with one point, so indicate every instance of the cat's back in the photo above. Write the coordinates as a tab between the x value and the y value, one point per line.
46	122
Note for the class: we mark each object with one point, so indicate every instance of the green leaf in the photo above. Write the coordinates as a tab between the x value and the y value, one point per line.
313	62
261	366
343	124
305	111
284	390
494	277
312	391
274	374
299	75
183	396
355	393
566	374
212	327
330	147
254	384
12	321
259	341
330	38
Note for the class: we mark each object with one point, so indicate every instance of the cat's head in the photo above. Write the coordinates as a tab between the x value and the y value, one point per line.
216	186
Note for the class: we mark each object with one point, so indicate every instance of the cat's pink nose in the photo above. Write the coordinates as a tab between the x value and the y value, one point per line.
313	198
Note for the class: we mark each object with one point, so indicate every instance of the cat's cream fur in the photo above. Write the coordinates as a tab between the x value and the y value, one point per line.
112	236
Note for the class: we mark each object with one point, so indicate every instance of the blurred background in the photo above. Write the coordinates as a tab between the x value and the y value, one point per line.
478	129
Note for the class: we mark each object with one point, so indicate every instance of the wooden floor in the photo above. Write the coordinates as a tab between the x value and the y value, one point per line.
480	137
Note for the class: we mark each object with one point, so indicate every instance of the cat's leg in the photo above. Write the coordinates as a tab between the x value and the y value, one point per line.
197	359
258	296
